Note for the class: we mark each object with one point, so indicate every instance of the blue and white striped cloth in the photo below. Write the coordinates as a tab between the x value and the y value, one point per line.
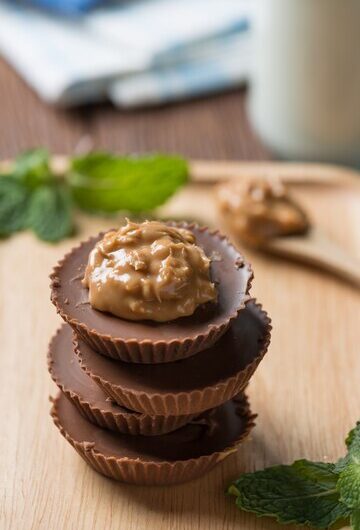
134	53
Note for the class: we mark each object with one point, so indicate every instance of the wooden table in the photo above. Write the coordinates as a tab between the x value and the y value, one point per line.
306	391
214	127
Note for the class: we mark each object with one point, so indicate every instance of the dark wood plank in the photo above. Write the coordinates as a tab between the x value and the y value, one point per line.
211	127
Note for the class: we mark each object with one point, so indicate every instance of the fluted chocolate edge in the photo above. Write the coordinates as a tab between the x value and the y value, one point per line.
182	403
147	473
133	423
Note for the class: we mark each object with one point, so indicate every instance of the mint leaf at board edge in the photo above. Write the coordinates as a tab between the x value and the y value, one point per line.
302	493
107	183
50	213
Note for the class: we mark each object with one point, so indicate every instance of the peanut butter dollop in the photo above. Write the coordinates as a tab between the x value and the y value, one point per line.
260	210
148	271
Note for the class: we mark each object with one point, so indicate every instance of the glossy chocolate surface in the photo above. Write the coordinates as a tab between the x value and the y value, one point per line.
214	431
228	272
241	345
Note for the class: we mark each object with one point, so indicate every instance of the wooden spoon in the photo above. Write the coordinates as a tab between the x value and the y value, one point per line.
316	249
290	173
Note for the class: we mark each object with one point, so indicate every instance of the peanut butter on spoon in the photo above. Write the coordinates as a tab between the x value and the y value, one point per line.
260	210
148	271
261	213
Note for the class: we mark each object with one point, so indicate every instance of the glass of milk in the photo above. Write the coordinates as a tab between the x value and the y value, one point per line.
305	84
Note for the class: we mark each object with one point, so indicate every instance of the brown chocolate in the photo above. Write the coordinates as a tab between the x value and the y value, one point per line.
158	460
192	385
154	342
91	400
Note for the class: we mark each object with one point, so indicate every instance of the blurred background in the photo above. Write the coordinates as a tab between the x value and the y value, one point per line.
236	79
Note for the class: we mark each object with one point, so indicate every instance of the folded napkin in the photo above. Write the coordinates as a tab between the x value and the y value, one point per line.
67	7
135	53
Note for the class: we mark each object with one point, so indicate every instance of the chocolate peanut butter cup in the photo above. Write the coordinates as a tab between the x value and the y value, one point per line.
148	341
91	400
189	386
176	457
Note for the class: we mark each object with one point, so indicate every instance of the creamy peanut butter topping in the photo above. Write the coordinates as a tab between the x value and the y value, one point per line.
260	210
148	271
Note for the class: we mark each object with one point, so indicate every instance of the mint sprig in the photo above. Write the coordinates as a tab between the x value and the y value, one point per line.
32	196
349	479
50	212
32	168
314	494
14	200
107	183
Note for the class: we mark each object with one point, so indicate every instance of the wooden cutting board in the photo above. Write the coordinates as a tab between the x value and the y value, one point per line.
306	391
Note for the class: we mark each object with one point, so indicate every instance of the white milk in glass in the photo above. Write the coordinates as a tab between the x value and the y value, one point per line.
305	83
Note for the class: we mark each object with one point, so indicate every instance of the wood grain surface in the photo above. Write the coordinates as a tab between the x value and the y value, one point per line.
212	127
306	391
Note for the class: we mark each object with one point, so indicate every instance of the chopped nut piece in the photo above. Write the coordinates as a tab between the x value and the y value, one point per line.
148	271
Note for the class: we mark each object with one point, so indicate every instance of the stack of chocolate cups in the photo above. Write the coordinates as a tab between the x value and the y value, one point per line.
157	403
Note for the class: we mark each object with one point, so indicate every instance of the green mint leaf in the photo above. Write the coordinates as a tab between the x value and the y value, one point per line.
302	493
106	183
349	467
32	168
50	212
353	444
14	199
355	520
349	484
353	438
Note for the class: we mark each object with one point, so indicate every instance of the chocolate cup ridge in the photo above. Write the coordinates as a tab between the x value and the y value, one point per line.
189	386
182	455
92	402
146	341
